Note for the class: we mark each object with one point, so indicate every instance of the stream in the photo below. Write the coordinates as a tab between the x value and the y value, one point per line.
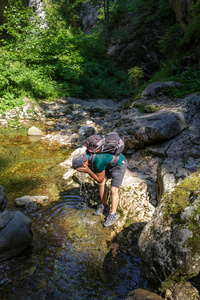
70	256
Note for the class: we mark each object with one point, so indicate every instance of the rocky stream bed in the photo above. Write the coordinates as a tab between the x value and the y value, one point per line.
159	202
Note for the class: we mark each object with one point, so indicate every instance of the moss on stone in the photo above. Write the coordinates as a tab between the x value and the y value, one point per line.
193	243
129	221
176	201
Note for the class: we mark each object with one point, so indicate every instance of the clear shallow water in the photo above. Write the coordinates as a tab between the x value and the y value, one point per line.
70	257
27	166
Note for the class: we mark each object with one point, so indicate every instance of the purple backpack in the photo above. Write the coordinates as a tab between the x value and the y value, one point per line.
109	143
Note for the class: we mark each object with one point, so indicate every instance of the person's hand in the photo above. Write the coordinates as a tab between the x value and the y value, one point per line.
83	169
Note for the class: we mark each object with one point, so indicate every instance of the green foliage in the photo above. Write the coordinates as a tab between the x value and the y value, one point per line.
171	43
48	60
10	100
190	80
14	123
173	70
139	106
177	43
134	75
147	10
17	19
192	32
150	10
117	10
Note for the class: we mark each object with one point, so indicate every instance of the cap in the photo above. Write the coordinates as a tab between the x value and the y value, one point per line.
78	161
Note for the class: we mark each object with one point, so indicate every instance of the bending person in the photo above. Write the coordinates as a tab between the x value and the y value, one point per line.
100	170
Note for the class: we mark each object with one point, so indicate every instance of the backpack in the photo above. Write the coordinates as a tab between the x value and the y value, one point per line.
109	143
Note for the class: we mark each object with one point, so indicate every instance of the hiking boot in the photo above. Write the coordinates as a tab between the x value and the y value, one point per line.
106	210
102	209
111	218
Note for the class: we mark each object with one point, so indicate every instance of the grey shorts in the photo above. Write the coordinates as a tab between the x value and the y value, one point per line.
116	174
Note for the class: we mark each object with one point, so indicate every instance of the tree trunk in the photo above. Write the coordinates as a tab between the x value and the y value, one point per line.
107	17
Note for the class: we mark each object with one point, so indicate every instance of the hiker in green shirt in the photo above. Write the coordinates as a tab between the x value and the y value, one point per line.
99	168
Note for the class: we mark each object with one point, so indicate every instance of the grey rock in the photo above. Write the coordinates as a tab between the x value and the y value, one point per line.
154	89
173	129
61	125
15	236
151	128
86	131
167	242
132	48
5	218
170	173
97	104
25	200
129	46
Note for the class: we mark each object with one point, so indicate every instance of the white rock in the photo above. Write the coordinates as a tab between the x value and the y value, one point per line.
35	131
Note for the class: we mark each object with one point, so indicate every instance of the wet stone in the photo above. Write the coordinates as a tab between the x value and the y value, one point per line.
5	218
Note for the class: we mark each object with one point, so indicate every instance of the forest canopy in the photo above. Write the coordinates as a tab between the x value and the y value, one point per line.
50	57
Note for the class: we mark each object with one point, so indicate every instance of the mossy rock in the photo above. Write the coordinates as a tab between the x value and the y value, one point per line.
170	242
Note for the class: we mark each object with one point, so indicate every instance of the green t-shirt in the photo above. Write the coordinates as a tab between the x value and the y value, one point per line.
101	161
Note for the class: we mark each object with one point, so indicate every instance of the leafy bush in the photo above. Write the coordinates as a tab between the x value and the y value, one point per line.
173	70
134	75
46	59
171	43
17	19
150	10
10	100
190	80
192	32
177	43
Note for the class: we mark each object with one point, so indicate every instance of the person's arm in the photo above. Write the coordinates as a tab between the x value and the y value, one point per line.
98	177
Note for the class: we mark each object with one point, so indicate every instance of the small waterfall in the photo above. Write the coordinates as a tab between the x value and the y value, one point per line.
38	7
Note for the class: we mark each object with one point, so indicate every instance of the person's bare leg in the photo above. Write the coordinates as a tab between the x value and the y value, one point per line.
103	192
112	217
114	199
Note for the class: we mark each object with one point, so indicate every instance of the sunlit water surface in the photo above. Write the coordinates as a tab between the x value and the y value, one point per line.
70	256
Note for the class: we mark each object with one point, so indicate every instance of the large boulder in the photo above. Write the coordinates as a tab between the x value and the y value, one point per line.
169	243
155	88
173	118
102	105
170	173
145	129
15	233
